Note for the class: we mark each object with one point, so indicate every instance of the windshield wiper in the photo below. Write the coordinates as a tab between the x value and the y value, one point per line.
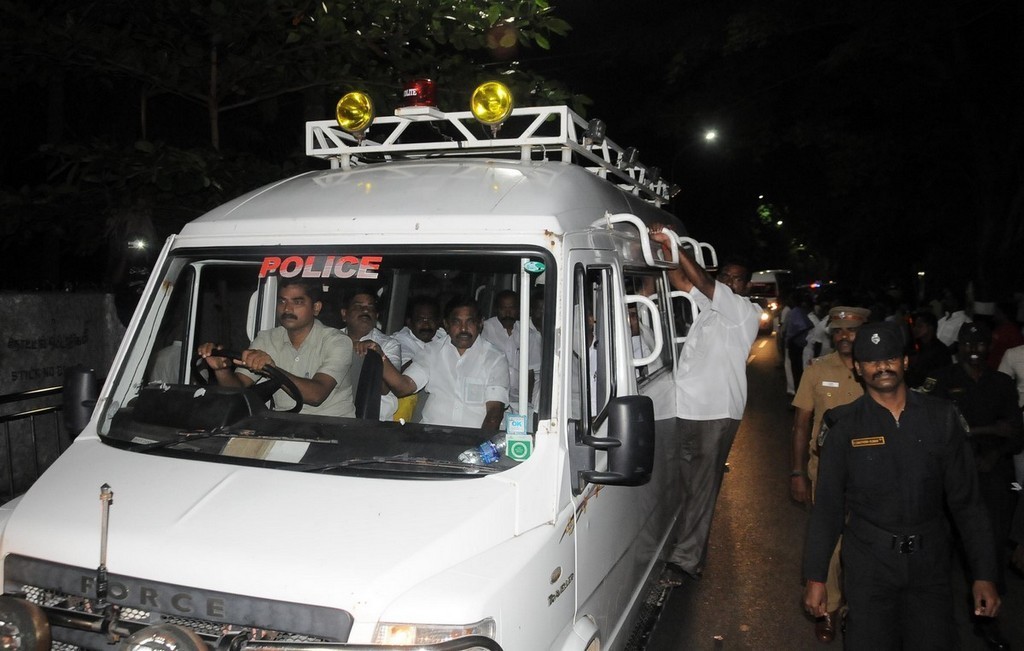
403	461
182	437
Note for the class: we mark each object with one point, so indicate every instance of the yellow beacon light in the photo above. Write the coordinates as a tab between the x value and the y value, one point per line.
491	103
354	112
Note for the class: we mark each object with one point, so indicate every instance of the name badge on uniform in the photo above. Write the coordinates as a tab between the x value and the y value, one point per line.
830	383
867	441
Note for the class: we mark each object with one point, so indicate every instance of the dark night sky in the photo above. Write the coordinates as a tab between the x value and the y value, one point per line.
889	128
876	128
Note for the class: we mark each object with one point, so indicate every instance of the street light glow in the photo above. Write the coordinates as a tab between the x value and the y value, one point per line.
710	135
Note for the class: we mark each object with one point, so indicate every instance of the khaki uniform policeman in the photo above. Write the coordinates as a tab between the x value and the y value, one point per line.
828	382
891	462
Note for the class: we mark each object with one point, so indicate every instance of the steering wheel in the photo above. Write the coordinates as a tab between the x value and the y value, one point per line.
276	379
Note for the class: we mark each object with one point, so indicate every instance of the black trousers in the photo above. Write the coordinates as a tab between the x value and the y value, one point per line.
898	601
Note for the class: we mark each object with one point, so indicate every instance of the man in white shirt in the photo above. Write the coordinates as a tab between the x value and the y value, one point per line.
502	330
1012	364
949	324
422	325
360	316
466	376
819	339
316	358
711	392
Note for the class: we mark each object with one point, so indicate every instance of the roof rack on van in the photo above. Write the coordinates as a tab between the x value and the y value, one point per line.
703	253
545	133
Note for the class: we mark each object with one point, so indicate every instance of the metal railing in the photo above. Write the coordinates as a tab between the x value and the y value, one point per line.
32	439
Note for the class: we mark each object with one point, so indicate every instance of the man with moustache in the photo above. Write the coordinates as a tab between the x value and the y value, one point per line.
828	382
711	393
892	462
316	358
465	375
988	401
502	330
360	317
422	326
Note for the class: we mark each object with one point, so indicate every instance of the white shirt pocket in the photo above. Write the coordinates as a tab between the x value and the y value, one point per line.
473	391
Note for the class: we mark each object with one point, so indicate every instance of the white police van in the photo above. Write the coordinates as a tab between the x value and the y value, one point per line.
188	515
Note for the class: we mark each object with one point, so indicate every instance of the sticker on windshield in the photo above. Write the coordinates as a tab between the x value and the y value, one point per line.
534	267
518	447
321	266
515	423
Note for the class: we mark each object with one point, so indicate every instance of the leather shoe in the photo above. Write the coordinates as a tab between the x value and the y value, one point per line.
987	628
825	627
675	575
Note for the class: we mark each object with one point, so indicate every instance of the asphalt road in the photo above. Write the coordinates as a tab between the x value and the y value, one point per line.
749	597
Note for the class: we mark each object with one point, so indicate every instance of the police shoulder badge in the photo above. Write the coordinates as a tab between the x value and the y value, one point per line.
822	433
828	419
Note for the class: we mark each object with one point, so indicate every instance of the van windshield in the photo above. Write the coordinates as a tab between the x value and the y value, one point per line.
351	361
764	290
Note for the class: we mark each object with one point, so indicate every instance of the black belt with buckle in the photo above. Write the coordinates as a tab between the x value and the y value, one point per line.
906	544
899	543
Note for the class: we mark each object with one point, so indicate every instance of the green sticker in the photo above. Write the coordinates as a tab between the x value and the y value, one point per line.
534	267
518	447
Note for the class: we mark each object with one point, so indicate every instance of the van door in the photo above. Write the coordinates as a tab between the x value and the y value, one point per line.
619	530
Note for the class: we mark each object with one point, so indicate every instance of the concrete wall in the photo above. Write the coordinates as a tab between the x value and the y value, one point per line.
42	334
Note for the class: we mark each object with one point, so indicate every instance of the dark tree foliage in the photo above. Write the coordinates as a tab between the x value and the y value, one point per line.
129	118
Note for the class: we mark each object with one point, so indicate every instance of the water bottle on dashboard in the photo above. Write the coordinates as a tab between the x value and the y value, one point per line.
486	453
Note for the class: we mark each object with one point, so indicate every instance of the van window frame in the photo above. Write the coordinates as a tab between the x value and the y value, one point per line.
662	299
184	265
586	418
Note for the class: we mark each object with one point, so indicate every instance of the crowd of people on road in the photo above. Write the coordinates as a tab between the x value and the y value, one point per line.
907	425
911	423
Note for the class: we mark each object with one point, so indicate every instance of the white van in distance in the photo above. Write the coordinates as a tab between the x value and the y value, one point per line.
189	515
768	288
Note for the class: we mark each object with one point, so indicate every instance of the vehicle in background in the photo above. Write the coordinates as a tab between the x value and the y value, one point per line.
767	289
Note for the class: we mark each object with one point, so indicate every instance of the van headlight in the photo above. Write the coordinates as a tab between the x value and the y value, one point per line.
412	634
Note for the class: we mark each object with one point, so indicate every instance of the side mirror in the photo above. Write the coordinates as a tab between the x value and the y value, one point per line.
81	390
630	443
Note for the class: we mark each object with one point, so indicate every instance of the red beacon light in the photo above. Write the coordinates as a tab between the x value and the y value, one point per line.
419	92
418	101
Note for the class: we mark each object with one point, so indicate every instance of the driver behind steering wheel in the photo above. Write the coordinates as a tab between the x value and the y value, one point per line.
316	358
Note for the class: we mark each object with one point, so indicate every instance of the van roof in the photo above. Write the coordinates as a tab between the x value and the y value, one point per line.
451	195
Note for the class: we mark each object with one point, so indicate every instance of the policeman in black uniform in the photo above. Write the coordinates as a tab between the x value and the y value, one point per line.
890	461
988	401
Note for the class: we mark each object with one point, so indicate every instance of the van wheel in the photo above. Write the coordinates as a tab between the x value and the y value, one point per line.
23	625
